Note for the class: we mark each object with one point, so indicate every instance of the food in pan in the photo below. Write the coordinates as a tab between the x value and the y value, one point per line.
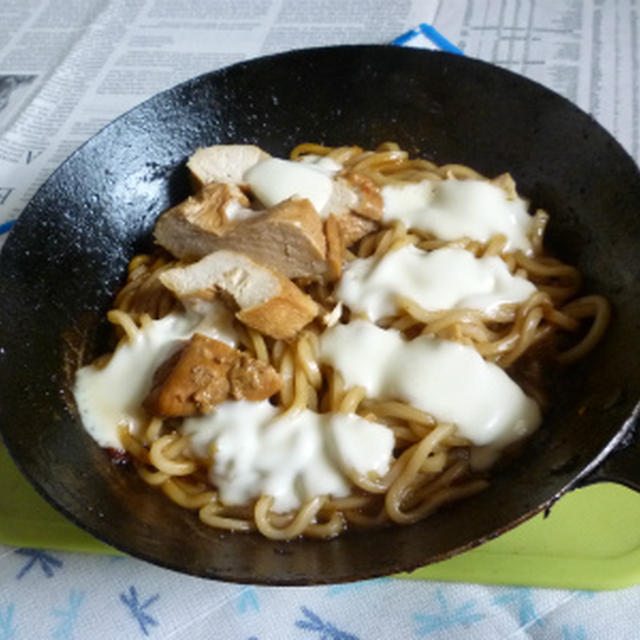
346	338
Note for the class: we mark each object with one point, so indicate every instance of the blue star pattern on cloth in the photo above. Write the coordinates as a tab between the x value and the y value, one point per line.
94	597
326	630
447	617
137	608
47	562
523	599
248	600
68	617
574	633
7	628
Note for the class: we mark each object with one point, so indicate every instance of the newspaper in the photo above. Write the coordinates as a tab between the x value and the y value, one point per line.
67	68
586	50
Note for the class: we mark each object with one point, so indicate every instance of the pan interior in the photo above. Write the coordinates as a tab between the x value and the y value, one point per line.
68	254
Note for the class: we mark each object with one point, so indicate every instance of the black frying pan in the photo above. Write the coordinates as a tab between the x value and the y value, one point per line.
68	253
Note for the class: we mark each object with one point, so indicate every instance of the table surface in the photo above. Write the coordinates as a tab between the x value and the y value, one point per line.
49	593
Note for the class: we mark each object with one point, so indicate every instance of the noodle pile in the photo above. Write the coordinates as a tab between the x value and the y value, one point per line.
431	462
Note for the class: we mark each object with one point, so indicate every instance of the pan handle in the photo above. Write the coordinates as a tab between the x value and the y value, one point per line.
622	464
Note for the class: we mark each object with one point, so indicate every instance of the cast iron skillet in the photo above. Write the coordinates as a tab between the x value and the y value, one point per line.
68	253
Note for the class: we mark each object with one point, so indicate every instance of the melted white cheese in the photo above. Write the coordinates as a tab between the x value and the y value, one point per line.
113	395
447	278
452	209
322	163
450	381
292	458
235	211
274	180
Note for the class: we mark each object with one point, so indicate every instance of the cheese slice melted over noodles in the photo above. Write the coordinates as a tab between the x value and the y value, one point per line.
447	278
292	457
448	380
452	209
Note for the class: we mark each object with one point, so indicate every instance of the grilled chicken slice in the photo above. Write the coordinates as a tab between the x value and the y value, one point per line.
354	227
268	301
356	203
204	373
223	163
186	229
287	237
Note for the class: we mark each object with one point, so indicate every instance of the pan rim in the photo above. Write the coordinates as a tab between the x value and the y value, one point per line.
184	86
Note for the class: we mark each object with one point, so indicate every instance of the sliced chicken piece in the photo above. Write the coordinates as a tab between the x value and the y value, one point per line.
354	227
223	163
370	200
354	193
356	202
343	199
268	301
287	237
204	373
184	230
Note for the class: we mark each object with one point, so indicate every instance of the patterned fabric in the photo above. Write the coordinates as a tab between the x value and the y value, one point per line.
65	596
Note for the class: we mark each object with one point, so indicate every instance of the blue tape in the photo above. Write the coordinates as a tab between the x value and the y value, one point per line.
432	34
438	39
406	37
5	226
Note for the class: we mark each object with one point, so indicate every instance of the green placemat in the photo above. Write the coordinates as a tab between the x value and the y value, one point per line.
27	520
590	540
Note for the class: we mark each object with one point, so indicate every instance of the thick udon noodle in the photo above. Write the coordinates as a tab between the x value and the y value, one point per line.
431	463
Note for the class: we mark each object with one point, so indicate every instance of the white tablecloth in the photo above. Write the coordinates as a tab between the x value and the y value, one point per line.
65	596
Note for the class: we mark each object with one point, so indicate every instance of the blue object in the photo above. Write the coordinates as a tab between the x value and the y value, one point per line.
432	34
5	226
